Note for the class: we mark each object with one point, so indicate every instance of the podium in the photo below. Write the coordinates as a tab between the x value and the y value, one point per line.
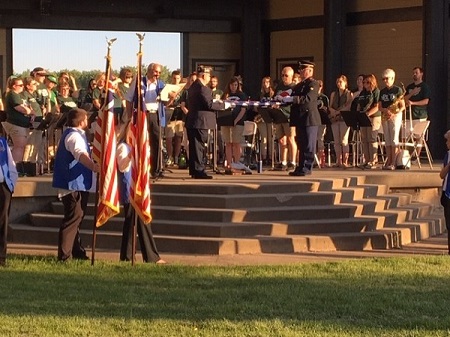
356	120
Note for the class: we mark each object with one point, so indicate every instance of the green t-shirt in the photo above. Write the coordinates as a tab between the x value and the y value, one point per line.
216	92
13	116
66	103
285	90
368	99
32	101
419	111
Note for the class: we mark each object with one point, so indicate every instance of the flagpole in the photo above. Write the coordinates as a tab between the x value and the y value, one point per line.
139	107
97	189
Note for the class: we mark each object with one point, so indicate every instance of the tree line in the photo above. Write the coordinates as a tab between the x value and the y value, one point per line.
82	78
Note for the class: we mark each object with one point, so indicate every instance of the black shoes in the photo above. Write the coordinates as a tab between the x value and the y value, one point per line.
201	175
299	173
80	257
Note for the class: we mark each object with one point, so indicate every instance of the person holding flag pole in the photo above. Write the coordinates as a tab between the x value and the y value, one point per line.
138	139
74	179
132	221
104	153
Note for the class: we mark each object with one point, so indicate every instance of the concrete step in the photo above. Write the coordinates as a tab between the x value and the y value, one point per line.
273	214
53	220
222	246
234	201
396	199
236	187
249	229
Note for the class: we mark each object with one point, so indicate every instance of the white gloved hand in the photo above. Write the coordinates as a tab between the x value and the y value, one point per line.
218	105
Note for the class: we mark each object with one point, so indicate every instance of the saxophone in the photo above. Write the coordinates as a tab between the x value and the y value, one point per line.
394	108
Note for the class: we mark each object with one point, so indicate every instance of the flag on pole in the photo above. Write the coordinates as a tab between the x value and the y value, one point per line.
140	149
105	155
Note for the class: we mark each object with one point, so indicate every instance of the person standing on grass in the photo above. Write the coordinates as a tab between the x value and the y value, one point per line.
8	179
74	179
445	197
145	235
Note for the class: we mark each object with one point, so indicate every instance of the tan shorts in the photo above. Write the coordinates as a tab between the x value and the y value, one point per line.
284	129
175	128
232	134
15	131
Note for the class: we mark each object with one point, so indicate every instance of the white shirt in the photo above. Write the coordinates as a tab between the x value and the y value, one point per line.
150	95
75	143
123	157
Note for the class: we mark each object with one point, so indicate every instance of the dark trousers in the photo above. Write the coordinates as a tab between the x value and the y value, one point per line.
197	140
146	241
69	241
306	139
5	205
445	202
154	134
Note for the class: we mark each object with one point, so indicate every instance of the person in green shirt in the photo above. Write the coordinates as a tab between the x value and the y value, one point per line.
417	98
18	117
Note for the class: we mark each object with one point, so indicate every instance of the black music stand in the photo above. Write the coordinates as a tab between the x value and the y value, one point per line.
267	118
223	118
356	120
278	117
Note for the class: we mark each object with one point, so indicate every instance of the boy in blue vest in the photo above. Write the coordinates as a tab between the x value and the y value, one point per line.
73	177
8	179
445	197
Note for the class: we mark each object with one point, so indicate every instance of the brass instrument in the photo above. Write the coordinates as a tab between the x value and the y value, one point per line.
393	108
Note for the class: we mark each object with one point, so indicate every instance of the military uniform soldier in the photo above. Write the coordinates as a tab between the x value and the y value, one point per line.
305	117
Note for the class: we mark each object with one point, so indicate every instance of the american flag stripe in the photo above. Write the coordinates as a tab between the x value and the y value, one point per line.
108	204
140	163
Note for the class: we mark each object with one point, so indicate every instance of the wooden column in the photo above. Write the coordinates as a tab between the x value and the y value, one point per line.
252	45
435	64
334	13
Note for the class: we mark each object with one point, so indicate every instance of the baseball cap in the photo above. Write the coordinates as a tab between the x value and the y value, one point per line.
52	78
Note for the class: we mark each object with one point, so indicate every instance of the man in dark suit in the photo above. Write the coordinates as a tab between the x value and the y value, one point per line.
199	119
305	117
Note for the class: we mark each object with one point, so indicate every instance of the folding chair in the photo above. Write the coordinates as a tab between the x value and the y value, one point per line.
417	140
250	142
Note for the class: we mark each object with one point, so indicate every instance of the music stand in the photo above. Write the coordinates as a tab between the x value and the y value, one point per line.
223	118
356	120
267	118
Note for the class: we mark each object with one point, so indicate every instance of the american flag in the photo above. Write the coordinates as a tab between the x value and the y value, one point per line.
105	154
140	162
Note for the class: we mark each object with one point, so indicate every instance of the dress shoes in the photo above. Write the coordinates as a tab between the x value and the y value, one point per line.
299	173
201	175
80	257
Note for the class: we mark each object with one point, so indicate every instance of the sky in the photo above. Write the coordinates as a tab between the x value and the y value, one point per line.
55	50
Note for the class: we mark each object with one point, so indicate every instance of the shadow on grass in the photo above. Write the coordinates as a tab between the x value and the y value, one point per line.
368	294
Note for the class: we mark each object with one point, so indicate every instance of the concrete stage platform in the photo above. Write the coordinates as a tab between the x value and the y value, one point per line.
34	194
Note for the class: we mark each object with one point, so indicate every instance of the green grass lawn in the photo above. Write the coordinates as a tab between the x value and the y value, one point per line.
370	297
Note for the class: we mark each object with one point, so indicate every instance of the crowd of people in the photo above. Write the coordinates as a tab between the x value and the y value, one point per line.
48	120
